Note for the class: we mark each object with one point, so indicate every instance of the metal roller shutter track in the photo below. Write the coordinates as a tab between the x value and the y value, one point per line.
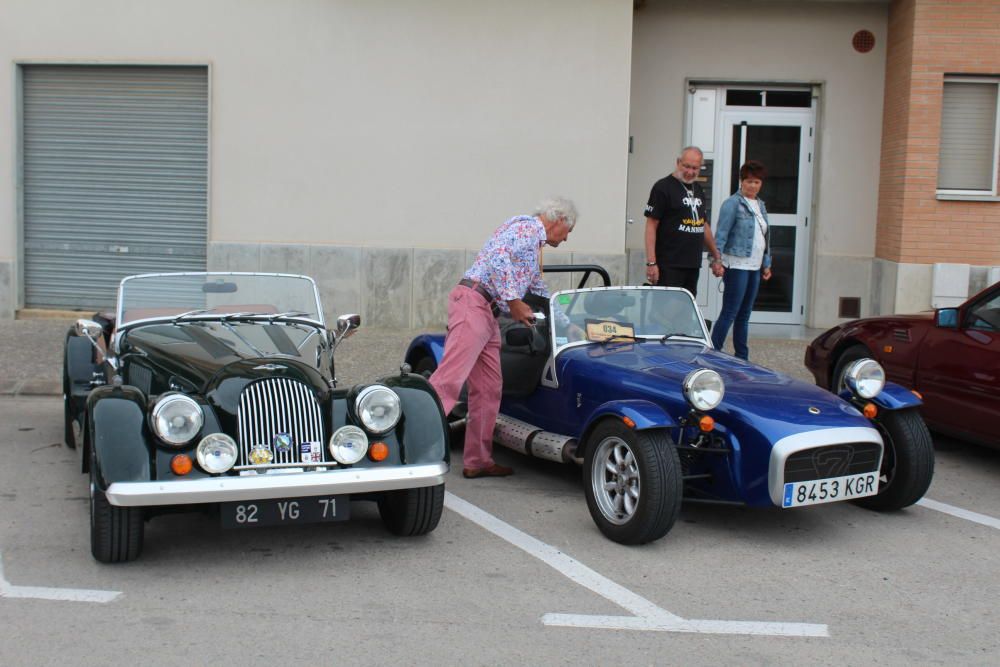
115	178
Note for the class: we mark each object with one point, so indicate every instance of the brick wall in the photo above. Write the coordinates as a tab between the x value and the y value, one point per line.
927	39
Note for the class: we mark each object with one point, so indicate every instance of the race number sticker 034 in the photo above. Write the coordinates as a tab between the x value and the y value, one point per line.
814	492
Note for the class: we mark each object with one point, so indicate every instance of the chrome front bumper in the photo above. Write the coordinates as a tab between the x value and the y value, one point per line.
810	440
261	487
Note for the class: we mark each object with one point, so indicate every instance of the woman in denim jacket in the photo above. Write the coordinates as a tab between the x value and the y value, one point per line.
741	235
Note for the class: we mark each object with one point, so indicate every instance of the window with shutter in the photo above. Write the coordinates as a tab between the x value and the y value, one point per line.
970	136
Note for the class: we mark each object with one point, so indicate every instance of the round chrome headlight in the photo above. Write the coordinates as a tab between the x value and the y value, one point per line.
704	389
378	408
865	377
176	419
348	445
216	453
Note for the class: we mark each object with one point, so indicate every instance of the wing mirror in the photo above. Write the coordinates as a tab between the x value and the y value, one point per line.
93	332
346	325
946	318
88	329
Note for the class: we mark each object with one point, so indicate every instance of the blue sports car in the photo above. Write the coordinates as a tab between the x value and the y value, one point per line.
624	381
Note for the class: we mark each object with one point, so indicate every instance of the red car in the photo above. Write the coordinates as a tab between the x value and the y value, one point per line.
950	356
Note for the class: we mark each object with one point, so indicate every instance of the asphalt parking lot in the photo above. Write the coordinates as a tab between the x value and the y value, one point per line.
516	573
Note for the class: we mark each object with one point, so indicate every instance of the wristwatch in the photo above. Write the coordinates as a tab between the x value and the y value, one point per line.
650	263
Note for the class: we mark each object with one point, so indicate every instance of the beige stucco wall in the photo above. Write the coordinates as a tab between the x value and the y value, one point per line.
807	42
375	124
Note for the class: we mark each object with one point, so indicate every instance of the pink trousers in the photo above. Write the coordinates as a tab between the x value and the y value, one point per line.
472	354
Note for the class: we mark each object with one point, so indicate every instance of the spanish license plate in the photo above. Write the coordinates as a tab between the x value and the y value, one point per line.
830	490
251	513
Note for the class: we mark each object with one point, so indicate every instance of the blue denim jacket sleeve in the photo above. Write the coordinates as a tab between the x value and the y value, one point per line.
724	226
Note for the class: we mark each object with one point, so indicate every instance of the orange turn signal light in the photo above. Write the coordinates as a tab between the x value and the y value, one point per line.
870	410
706	423
628	422
917	394
379	451
181	464
887	349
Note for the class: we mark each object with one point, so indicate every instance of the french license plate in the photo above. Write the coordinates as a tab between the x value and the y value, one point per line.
251	513
830	490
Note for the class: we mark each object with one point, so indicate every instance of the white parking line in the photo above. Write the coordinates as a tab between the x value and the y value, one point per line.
647	616
960	513
8	590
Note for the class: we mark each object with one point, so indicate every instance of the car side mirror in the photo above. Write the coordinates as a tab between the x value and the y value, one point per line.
946	318
708	325
347	325
88	329
92	331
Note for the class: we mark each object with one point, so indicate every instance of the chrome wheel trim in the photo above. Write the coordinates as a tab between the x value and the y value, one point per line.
614	479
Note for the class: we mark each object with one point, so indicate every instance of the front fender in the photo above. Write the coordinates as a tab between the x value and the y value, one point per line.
118	435
892	397
645	414
423	430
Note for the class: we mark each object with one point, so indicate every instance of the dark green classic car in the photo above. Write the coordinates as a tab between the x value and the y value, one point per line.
217	392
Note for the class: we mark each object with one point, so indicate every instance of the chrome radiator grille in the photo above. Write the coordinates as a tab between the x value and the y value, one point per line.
278	406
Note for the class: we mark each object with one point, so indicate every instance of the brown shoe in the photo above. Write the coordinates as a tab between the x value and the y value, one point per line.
495	470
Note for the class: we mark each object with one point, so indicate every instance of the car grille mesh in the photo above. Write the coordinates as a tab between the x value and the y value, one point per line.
851	458
278	406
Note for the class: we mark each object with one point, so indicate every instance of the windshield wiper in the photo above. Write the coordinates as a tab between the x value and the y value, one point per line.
237	316
677	334
278	317
622	338
190	313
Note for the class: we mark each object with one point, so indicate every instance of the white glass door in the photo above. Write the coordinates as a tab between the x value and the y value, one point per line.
783	142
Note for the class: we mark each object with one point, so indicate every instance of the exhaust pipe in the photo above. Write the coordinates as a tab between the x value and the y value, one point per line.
531	441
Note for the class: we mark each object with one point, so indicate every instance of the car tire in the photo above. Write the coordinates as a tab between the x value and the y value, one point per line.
846	358
67	386
115	532
907	462
648	473
68	437
412	512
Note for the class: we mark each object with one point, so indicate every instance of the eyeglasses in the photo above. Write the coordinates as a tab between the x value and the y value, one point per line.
693	167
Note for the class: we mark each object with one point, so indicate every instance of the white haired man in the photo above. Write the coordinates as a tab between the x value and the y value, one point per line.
505	269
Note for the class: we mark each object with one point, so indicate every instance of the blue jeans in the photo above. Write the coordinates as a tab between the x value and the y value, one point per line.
737	303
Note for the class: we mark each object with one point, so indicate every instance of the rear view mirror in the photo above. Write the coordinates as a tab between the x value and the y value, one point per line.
219	287
946	318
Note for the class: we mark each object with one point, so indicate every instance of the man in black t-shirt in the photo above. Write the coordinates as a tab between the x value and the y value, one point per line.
677	227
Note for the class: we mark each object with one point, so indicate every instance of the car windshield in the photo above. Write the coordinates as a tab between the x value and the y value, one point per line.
215	295
624	313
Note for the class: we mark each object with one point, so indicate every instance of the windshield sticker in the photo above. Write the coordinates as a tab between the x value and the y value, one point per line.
599	331
561	340
563	299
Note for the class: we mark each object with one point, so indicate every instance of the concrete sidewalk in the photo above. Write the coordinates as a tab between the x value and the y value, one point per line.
31	353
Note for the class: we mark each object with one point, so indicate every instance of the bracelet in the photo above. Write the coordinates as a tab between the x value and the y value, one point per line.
650	263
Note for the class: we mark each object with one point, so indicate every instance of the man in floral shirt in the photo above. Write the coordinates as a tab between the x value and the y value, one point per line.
506	269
